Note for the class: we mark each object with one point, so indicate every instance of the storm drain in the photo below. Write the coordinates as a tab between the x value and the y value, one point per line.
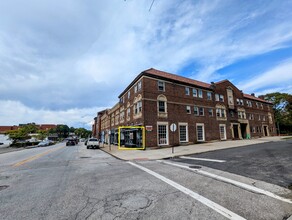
3	187
84	157
195	167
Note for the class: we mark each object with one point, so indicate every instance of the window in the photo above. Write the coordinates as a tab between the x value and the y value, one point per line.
129	93
162	134
220	112
122	99
262	107
135	89
250	117
210	112
183	133
187	90
257	104
200	93
200	132
232	114
122	116
161	106
221	98
222	131
249	103
259	117
241	115
188	108
199	111
217	97
195	92
196	110
209	95
128	113
161	86
139	85
138	107
241	102
264	118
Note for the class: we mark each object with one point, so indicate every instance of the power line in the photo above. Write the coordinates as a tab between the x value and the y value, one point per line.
151	5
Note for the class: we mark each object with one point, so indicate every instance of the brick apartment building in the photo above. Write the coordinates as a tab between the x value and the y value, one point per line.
200	111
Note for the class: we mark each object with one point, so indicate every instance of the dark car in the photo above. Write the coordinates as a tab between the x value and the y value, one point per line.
70	142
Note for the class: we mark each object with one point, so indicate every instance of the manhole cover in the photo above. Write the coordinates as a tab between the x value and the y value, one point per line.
195	167
3	187
84	157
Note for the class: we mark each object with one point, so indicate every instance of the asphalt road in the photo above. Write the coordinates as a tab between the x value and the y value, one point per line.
60	182
270	162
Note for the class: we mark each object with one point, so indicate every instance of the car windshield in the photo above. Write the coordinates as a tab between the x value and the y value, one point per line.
93	139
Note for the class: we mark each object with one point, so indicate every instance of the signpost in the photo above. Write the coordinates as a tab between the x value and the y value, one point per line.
109	133
173	129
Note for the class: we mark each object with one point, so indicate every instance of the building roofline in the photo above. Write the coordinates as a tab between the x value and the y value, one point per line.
167	76
256	99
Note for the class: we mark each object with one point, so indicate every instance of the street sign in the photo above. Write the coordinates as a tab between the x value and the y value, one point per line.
173	127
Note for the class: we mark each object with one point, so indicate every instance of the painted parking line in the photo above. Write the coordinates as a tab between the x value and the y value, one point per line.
233	182
216	207
36	157
203	159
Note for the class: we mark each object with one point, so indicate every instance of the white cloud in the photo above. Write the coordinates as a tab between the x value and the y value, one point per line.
65	56
14	113
276	79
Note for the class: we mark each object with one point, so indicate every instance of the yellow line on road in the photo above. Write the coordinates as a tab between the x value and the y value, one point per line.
35	157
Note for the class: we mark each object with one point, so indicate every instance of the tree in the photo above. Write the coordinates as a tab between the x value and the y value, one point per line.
62	131
282	105
22	133
82	132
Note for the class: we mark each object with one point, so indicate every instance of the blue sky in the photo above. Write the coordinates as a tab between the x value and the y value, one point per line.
63	61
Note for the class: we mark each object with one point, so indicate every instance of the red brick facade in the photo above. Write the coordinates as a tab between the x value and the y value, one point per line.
200	111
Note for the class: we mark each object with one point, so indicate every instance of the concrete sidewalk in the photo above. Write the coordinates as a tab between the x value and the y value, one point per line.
155	154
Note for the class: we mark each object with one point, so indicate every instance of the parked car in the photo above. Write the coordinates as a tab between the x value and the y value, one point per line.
70	142
92	143
44	143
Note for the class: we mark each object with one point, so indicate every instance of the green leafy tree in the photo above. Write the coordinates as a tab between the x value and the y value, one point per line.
282	105
42	134
82	132
22	133
62	131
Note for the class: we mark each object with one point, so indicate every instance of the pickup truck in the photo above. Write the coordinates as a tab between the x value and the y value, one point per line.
92	143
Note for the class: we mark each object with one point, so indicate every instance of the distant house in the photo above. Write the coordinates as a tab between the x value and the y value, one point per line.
200	111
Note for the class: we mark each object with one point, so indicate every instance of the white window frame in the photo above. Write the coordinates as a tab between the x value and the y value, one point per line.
187	91
161	84
200	93
209	95
224	135
203	131
167	133
139	85
188	109
195	92
187	132
196	108
209	111
129	94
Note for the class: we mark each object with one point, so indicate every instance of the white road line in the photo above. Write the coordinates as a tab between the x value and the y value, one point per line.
218	208
233	182
203	159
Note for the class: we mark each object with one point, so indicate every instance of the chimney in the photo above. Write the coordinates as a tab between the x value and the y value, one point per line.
213	86
253	94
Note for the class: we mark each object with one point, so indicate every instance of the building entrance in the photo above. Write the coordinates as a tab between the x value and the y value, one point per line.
243	130
235	131
131	137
